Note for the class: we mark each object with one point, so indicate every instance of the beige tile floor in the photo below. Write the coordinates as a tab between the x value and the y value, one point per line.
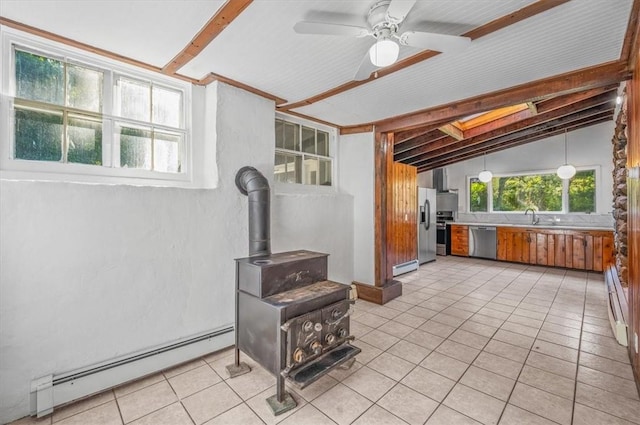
470	341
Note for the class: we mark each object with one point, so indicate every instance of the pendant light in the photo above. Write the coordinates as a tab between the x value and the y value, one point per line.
567	170
485	175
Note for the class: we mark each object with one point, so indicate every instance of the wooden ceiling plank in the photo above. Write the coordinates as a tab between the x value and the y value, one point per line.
495	25
492	116
453	160
527	133
499	123
431	146
218	22
570	82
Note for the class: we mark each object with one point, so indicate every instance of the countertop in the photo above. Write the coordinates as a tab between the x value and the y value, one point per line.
558	226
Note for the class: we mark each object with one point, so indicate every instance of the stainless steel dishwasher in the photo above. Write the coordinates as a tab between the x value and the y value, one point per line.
482	242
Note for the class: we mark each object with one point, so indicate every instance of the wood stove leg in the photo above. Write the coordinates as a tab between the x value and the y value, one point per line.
237	368
281	401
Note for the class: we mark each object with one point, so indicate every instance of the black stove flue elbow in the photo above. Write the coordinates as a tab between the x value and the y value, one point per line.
252	183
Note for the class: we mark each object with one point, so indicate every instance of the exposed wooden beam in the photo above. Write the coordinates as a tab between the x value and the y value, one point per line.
455	152
354	130
516	142
499	123
570	82
488	28
452	131
403	136
211	77
433	147
631	42
222	18
417	142
86	47
550	104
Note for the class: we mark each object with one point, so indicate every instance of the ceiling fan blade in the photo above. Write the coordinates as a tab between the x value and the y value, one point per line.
398	9
365	69
434	41
306	27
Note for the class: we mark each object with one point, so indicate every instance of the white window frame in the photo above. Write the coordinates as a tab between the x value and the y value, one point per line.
21	169
565	191
303	187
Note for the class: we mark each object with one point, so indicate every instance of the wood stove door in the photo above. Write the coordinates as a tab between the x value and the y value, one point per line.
335	324
304	338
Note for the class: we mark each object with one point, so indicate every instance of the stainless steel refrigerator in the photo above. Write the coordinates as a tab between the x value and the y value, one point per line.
426	225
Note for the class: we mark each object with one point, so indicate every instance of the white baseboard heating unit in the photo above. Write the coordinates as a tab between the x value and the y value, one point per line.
54	390
617	306
407	267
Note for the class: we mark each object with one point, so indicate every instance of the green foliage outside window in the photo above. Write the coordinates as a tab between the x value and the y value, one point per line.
582	192
477	196
542	192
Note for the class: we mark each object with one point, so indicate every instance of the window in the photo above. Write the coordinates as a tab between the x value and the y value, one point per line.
302	154
74	114
544	192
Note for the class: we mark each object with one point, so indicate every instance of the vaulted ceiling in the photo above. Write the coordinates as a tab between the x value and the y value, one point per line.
560	60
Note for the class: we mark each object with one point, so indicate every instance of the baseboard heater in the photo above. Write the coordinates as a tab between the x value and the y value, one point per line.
407	267
617	306
54	390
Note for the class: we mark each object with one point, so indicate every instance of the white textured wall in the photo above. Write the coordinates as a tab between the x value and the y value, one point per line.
356	166
589	146
90	272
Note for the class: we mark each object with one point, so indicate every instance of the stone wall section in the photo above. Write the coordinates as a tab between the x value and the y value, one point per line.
619	142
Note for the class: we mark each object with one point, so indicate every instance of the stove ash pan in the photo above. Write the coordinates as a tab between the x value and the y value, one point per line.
291	320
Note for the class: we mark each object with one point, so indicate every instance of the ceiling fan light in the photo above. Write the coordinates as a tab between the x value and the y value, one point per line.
566	171
384	52
485	176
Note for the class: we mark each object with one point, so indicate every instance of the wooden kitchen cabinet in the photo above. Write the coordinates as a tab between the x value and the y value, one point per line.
460	240
573	249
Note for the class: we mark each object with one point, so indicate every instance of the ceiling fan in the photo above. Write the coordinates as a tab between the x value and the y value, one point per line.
385	18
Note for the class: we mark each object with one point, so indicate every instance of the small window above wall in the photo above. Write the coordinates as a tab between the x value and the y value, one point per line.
303	153
73	116
542	191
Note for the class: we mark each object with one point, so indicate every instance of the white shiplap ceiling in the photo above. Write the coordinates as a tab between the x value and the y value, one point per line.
260	49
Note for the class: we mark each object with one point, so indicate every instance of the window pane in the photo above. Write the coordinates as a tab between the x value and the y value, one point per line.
310	170
135	148
135	100
280	168
325	172
478	195
323	143
291	136
38	135
308	140
279	134
166	152
39	78
542	192
297	172
84	88
582	192
167	106
85	141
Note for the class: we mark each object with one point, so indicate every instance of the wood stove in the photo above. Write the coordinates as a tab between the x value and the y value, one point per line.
289	318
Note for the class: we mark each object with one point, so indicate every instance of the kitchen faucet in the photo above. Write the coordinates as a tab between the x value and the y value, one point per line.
534	220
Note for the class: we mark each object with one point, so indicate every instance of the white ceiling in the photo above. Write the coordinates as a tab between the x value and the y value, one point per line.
260	48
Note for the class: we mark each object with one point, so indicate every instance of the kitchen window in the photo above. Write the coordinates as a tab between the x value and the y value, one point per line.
543	191
302	154
69	114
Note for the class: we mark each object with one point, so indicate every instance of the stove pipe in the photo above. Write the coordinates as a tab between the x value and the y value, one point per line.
252	183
